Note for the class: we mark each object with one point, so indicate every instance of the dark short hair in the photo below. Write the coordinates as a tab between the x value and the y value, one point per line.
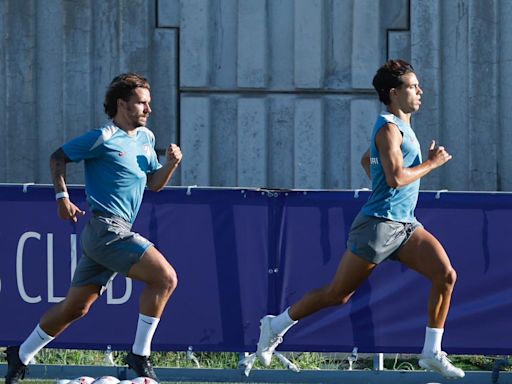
389	76
121	87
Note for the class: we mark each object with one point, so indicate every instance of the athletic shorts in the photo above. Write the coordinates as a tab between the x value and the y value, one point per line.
376	239
108	247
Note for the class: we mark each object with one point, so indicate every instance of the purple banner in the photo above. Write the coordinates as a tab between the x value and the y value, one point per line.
241	254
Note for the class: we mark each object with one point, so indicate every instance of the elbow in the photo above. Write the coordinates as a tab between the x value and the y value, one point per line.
154	188
58	158
365	160
54	157
394	182
153	184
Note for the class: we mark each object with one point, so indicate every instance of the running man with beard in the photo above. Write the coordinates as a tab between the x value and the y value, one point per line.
120	162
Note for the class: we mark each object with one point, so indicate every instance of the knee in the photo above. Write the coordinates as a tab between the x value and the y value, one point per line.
447	279
451	277
335	297
169	281
76	311
173	280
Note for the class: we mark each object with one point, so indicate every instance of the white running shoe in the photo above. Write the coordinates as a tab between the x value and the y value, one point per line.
440	363
268	341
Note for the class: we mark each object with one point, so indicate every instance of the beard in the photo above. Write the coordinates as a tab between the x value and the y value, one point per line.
139	120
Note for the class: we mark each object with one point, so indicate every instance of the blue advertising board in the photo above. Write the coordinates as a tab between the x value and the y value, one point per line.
243	253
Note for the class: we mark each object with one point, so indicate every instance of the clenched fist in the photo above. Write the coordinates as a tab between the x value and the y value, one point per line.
438	155
173	154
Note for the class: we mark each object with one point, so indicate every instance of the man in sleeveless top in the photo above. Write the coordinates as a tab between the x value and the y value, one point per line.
386	227
120	162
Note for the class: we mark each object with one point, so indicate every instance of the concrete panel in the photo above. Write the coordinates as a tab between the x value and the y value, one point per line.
164	90
195	140
164	87
106	64
365	46
395	14
454	109
252	142
252	44
337	144
281	120
309	44
427	59
223	41
168	13
308	141
363	114
394	19
50	69
281	43
504	136
135	35
223	140
3	85
195	43
20	93
483	98
58	57
77	72
339	45
399	45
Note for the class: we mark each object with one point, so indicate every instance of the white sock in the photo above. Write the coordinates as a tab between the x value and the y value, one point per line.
33	344
146	328
433	338
282	323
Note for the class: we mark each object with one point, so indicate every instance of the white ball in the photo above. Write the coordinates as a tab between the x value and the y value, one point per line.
144	380
106	380
125	382
62	381
84	379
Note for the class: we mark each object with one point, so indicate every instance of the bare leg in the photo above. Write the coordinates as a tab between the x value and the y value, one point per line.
160	278
425	254
352	272
76	305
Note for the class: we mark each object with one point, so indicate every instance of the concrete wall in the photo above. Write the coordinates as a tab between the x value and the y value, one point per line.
262	93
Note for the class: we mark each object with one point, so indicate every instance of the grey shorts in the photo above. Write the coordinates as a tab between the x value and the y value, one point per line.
376	239
108	247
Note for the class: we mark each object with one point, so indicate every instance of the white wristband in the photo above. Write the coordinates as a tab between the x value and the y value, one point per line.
61	195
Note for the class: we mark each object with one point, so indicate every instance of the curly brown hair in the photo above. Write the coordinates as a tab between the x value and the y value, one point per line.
121	87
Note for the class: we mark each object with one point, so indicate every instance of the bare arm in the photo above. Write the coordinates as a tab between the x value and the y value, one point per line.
388	141
66	209
159	179
365	162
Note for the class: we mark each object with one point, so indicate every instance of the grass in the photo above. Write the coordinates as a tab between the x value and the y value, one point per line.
230	360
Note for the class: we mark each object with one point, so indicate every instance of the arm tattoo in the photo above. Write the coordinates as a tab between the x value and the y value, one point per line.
58	161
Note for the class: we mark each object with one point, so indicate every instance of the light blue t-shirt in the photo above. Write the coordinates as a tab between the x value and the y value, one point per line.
396	204
116	167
